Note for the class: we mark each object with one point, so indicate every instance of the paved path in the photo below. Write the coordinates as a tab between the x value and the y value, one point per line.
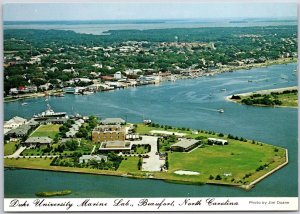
153	163
93	149
17	153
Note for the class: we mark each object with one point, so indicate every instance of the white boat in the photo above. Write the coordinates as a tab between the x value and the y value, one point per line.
24	104
221	111
49	113
87	92
223	89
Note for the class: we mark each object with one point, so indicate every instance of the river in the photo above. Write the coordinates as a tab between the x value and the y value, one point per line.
186	103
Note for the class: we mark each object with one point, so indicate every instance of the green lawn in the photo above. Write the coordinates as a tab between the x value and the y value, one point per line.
28	162
10	148
46	131
129	165
237	158
34	151
290	99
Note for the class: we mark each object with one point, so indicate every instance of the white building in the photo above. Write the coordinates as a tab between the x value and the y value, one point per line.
13	123
87	158
217	141
118	75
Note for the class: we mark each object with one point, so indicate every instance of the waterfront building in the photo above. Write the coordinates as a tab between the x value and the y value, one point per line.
185	145
118	75
13	123
105	133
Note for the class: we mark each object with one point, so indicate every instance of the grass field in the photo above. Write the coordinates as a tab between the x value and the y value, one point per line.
46	131
237	158
10	148
289	99
129	165
239	163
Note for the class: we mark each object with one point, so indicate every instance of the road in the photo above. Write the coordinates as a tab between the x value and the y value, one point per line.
17	153
153	163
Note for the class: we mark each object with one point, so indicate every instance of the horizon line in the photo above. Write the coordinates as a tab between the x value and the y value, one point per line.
155	19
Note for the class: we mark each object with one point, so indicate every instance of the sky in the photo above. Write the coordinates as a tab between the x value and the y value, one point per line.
116	11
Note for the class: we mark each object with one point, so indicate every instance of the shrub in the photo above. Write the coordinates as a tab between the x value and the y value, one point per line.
218	177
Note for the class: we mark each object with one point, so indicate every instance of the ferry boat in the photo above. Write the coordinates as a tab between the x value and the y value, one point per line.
49	113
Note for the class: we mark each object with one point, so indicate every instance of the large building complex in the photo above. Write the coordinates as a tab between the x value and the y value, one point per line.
108	133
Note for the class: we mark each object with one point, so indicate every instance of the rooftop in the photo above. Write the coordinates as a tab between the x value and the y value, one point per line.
185	143
43	140
21	130
107	121
93	157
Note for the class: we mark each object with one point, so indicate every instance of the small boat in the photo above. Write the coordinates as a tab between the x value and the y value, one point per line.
223	89
24	104
46	99
87	92
250	80
221	111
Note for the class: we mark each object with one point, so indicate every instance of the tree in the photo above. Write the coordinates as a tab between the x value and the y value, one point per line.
218	177
211	177
72	145
140	164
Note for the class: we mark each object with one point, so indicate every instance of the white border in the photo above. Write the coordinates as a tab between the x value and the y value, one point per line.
151	204
244	202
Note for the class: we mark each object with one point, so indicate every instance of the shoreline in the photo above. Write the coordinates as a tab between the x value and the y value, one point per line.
143	176
33	95
252	184
230	68
267	91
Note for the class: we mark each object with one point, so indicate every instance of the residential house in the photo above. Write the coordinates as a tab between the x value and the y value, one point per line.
46	86
118	75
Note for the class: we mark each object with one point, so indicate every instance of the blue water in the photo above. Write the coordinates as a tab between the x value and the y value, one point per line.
100	27
184	103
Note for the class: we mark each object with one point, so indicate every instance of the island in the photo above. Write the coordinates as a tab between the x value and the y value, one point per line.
52	194
56	141
280	97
